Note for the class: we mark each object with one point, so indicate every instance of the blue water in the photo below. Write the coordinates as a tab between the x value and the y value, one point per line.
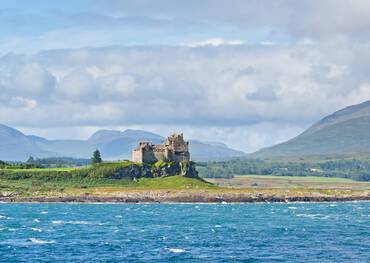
315	232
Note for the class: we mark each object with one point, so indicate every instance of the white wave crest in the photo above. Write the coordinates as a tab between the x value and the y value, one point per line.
176	250
39	241
59	222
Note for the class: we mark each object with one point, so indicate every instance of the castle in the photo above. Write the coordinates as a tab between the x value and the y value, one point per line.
174	149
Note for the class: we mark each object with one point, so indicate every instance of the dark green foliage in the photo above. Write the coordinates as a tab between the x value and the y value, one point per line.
96	158
30	160
344	168
59	162
215	171
5	165
119	170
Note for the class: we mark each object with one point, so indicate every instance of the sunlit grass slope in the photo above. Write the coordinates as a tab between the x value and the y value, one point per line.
118	174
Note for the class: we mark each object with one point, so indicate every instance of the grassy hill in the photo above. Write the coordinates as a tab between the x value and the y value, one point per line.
125	174
345	132
114	182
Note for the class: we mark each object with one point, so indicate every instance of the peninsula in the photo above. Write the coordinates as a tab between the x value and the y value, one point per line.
164	173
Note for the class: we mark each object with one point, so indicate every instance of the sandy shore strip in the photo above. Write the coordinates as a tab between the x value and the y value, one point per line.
183	197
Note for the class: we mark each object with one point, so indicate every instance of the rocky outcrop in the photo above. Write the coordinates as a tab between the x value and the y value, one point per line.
160	169
185	169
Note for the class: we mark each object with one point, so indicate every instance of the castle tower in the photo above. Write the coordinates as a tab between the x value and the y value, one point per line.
174	149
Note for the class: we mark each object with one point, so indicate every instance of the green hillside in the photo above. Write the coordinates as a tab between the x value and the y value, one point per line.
345	132
23	182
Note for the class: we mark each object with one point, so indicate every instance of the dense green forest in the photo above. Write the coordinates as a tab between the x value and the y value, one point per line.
357	169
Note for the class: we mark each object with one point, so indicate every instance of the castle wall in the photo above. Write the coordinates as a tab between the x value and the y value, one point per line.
180	157
175	149
149	156
152	156
137	156
160	155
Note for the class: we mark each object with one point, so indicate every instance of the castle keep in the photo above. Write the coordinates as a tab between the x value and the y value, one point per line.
174	149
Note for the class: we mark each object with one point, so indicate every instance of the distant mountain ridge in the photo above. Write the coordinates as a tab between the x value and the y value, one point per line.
16	146
345	132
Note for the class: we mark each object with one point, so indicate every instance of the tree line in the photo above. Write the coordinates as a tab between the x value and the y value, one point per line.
356	169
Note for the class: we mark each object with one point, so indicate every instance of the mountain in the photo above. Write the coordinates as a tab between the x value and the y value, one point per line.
16	146
119	145
345	132
205	151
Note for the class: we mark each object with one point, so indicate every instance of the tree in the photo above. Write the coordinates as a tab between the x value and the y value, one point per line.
31	160
96	158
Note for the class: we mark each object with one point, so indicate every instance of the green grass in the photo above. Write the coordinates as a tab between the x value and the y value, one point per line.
102	180
250	184
66	169
29	187
172	182
27	182
302	178
103	170
261	182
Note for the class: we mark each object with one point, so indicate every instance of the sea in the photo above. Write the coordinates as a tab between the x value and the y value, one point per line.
289	232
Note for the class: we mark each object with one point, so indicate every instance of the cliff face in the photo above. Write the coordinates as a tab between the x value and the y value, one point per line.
160	169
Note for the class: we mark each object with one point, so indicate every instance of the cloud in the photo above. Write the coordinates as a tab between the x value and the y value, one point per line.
77	86
31	80
158	65
117	86
215	42
24	86
253	72
30	29
211	86
306	18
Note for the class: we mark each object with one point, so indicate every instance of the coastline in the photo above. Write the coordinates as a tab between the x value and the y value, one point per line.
182	198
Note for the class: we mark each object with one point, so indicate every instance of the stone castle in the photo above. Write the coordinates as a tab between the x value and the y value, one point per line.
174	149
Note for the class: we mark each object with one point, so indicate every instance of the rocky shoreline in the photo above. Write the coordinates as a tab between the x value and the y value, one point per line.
183	198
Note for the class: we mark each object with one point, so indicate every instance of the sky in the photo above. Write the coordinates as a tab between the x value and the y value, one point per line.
249	73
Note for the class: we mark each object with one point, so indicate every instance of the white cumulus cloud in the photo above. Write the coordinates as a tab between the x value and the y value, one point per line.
215	42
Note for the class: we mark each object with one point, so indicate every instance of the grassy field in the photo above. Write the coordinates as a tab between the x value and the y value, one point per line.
99	181
290	182
45	170
300	178
29	187
115	176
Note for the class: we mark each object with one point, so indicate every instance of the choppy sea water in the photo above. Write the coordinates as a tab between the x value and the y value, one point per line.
296	232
